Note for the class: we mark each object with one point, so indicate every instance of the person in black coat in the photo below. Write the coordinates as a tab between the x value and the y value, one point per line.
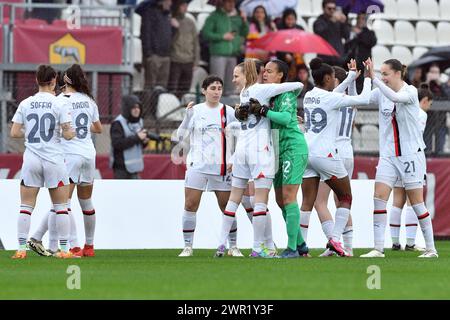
333	27
360	45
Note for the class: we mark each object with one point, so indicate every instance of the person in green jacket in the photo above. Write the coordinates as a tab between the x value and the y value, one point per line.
225	30
293	155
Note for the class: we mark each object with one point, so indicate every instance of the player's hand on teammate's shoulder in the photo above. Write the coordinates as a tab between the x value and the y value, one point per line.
190	105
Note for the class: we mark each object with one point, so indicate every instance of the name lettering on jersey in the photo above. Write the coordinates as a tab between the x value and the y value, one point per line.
80	105
41	104
312	100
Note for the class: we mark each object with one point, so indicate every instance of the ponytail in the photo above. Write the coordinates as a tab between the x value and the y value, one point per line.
404	71
251	74
75	78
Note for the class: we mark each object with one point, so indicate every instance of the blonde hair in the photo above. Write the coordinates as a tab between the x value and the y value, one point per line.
249	69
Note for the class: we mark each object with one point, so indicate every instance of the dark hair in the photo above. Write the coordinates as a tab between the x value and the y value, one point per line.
396	65
287	12
425	92
319	70
282	67
325	2
45	74
266	19
76	78
211	79
340	73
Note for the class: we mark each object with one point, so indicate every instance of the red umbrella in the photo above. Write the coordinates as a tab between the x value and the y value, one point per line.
294	40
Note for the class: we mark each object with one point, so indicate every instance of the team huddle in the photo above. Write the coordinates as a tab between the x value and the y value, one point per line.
59	155
239	154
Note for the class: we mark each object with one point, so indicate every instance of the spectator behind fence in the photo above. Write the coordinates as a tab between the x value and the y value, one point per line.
185	51
260	24
128	137
333	27
303	77
225	30
156	37
360	44
289	21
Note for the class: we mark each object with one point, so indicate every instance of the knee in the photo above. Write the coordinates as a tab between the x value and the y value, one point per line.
190	205
345	200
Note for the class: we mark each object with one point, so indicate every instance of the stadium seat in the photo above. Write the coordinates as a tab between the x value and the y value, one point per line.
317	9
301	22
404	33
35	22
407	9
403	54
304	8
136	25
418	52
364	117
166	103
137	50
384	31
443	33
200	6
428	9
356	139
379	55
444	9
197	78
311	24
370	141
201	18
390	8
426	33
307	57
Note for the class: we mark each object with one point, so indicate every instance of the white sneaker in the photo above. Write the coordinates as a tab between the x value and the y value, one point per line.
235	252
327	253
187	252
373	254
429	254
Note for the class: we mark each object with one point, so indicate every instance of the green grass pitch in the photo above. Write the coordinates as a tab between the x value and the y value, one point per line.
160	274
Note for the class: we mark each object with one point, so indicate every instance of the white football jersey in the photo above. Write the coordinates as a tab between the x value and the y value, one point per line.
423	117
400	132
208	151
41	117
322	118
255	133
84	112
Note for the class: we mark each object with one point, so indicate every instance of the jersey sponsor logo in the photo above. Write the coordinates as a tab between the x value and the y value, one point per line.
67	50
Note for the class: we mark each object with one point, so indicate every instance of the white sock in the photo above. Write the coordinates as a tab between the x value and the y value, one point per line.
259	225
52	231
23	225
379	223
89	219
43	227
411	222
232	236
395	223
268	238
327	228
247	203
347	236
73	240
189	222
62	225
228	218
425	224
304	223
340	221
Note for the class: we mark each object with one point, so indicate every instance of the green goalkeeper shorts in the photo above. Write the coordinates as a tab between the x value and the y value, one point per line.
292	165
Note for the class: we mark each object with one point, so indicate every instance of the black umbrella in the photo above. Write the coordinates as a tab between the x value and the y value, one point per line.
141	7
438	55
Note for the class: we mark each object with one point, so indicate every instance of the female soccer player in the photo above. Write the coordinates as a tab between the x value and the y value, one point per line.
401	153
79	154
293	155
411	221
39	120
344	144
321	107
254	157
208	156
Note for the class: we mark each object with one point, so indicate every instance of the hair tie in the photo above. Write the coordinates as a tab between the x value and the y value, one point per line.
67	79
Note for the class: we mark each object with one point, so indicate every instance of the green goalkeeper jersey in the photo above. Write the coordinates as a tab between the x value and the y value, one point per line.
283	117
